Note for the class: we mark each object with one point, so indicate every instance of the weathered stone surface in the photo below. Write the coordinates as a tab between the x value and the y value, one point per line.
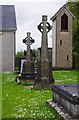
67	96
62	40
60	110
28	65
28	41
44	74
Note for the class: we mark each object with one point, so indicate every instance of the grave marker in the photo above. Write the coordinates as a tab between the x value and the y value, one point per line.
44	72
28	66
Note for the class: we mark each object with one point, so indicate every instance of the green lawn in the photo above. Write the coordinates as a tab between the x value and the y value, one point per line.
66	77
0	95
18	102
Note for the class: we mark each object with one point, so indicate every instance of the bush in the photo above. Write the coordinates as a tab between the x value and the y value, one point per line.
19	55
76	61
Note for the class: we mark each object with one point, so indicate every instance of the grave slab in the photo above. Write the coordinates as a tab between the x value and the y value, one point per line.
67	96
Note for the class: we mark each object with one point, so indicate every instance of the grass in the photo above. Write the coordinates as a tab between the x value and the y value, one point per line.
66	77
19	102
0	96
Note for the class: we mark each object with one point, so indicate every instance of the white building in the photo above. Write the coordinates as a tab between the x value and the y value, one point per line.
7	38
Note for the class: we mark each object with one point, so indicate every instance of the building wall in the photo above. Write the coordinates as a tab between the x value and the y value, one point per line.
0	51
64	50
54	44
8	51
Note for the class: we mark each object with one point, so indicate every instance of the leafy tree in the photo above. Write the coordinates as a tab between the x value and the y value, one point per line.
34	54
20	54
76	40
74	7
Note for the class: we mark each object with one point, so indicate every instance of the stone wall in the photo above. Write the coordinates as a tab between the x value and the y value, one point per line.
0	51
54	44
65	50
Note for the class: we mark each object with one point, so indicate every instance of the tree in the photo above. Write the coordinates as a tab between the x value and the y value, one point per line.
20	54
74	7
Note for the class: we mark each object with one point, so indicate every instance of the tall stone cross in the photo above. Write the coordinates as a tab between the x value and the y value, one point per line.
44	27
28	41
44	72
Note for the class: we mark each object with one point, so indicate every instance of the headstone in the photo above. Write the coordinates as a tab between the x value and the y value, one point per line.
28	65
44	72
28	41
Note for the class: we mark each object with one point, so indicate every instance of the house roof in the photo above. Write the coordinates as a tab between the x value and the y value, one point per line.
59	11
7	18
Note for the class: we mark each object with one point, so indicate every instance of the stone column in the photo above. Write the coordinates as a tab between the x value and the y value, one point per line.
43	76
28	57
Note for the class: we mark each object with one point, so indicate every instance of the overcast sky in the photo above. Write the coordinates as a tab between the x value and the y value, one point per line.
29	15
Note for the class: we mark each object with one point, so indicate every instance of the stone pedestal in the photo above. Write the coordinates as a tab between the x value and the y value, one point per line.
28	67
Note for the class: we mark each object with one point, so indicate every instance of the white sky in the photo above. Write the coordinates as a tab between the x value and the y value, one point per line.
29	15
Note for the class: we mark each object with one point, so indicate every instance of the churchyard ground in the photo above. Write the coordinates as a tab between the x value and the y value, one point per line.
18	102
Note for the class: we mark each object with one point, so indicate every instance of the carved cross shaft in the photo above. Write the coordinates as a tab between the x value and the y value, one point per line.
28	41
44	27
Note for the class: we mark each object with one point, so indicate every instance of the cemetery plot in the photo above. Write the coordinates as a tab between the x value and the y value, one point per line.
19	102
67	96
